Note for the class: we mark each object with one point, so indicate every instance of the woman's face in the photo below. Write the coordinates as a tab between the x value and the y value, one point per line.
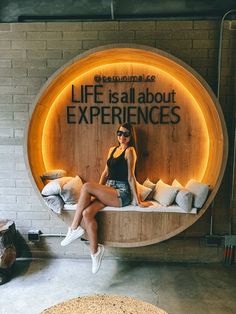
123	136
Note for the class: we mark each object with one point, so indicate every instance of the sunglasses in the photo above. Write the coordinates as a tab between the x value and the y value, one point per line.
120	133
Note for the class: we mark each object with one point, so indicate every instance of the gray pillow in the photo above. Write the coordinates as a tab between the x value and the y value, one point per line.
54	202
151	185
184	199
71	190
200	192
53	174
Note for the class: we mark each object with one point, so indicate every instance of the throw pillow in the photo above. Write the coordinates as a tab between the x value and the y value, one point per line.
164	193
149	184
176	184
143	191
71	190
200	191
54	202
53	174
184	199
54	186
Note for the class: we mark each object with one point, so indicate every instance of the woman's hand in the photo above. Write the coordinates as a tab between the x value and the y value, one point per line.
144	204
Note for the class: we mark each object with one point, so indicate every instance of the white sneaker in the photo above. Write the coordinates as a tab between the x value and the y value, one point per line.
72	235
97	258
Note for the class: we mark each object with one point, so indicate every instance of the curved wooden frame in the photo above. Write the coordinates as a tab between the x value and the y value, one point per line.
144	228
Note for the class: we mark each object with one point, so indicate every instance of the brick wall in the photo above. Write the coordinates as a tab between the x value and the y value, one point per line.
31	52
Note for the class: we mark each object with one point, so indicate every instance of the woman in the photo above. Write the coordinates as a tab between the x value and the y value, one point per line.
115	188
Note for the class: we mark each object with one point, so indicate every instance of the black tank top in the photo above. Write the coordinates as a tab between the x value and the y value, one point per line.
117	167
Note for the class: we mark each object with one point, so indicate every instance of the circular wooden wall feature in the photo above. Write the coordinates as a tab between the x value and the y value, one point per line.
179	124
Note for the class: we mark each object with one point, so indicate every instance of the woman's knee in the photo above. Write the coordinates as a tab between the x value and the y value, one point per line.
86	187
87	216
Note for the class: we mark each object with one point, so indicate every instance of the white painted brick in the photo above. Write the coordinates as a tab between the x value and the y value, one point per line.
14	191
5	63
29	26
64	44
5	81
24	183
7	199
6	99
111	25
49	54
12	90
12	54
12	124
4	44
6	132
64	26
28	44
56	63
21	115
25	223
44	35
35	199
7	165
15	207
28	81
12	35
19	150
6	116
20	166
13	72
13	174
7	157
7	215
32	215
13	108
33	90
32	63
10	140
23	200
71	53
43	223
23	99
87	35
7	183
7	149
19	133
5	27
38	72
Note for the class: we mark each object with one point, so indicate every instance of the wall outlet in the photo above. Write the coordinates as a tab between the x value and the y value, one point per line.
34	235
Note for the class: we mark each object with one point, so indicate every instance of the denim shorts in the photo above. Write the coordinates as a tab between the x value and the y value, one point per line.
123	189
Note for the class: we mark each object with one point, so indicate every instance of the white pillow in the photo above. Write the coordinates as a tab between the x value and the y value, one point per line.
184	199
143	192
53	174
176	184
54	187
54	202
164	193
51	188
71	190
151	185
199	190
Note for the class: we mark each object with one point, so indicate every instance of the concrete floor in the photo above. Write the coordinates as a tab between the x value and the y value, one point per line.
177	288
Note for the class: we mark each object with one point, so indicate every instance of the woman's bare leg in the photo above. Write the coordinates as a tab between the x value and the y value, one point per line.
107	195
91	223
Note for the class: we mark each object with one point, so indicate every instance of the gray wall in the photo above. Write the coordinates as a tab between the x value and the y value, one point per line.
31	52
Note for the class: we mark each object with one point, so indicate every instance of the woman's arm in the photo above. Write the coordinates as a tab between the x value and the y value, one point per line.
104	174
131	157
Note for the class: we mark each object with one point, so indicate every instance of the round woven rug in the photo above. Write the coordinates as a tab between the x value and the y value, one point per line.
104	304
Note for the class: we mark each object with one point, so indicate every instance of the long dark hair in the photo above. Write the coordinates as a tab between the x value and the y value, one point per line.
131	129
